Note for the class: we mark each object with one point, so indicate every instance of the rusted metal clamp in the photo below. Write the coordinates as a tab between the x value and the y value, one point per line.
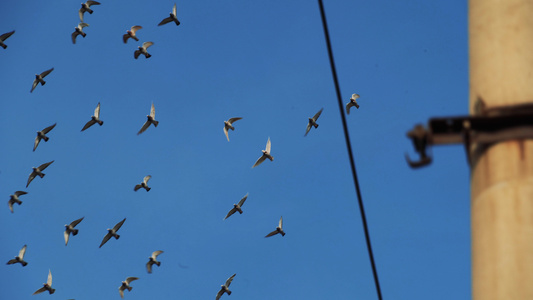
490	125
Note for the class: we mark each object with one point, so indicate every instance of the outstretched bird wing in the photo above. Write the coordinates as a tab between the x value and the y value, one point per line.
165	21
146	178
88	124
308	128
67	236
4	36
97	111
36	143
280	225
242	200
268	146
39	291
76	222
228	282
271	234
145	126
49	281
45	73
259	161
130	279
231	212
45	165
174	10
226	132
47	129
119	224
231	120
106	238
315	117
22	252
152	110
145	46
30	178
34	85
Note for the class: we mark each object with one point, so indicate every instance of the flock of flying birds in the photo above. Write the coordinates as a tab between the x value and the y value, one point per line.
95	119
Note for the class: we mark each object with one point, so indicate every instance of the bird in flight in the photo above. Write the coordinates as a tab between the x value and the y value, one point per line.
172	17
312	121
41	135
38	171
150	120
19	258
266	154
143	184
46	286
94	119
237	207
225	288
131	33
15	199
227	125
126	286
85	7
153	260
279	229
79	30
112	232
352	103
39	79
4	37
143	50
69	228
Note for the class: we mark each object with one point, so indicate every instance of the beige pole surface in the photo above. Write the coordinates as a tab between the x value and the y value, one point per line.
501	73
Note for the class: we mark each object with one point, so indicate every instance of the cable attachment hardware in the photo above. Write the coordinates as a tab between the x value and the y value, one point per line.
419	136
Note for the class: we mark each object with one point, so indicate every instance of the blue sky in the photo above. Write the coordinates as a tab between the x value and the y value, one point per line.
264	61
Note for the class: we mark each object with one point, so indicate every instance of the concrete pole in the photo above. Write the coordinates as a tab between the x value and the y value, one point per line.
501	73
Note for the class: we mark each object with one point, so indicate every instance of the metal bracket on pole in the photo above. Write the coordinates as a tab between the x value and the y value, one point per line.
488	126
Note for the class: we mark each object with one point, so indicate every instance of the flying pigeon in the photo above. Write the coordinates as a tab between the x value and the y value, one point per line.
69	228
150	120
15	199
237	207
46	286
227	125
79	30
352	102
94	119
171	18
85	8
225	288
153	260
131	33
143	184
38	171
126	286
266	154
39	79
312	121
42	135
4	37
279	229
19	258
143	50
112	232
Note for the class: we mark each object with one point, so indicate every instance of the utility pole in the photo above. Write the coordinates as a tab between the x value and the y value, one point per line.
501	74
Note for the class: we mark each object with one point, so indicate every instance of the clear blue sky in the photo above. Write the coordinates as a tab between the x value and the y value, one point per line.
264	61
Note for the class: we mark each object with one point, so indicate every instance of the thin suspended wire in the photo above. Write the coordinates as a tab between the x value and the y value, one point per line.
349	148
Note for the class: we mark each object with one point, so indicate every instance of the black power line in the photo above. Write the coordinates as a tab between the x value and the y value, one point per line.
349	146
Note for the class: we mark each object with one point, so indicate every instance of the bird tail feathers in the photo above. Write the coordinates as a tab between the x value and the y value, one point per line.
45	138
75	231
155	122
